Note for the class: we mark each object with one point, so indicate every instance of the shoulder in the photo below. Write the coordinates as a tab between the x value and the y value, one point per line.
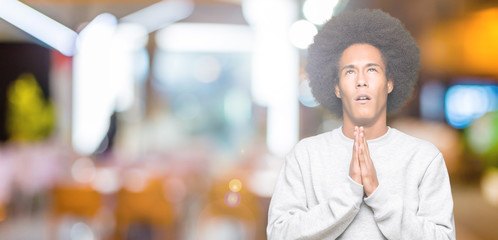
314	145
415	145
316	142
414	141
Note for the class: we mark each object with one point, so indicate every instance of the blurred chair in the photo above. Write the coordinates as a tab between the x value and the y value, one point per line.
144	214
3	212
229	213
73	201
77	200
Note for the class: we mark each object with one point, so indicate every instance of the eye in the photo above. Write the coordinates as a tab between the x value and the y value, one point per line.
350	71
372	70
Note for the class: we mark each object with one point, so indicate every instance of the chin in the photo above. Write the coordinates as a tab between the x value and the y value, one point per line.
363	121
362	117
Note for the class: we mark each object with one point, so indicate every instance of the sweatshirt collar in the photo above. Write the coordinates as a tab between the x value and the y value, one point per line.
379	139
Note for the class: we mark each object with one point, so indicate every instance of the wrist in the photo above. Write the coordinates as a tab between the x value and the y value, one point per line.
371	189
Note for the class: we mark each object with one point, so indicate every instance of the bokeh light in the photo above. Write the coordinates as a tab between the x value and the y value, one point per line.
465	103
482	134
237	107
94	86
81	231
83	170
305	96
232	199
489	186
205	37
106	181
301	33
319	11
39	26
482	138
206	69
135	180
235	185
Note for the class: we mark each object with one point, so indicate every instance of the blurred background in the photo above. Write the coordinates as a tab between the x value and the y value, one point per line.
147	119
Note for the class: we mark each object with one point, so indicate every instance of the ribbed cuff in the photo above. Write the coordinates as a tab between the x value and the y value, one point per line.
356	192
382	202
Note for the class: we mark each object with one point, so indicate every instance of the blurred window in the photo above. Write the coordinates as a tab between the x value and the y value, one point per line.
466	102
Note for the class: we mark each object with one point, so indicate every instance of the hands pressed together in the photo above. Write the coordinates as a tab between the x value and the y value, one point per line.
362	169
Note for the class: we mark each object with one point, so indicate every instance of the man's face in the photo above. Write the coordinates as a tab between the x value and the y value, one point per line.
363	86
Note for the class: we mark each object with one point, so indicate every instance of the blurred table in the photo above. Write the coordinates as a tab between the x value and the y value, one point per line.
474	217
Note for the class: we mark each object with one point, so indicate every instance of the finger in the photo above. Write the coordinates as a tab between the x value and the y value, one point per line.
355	147
354	162
355	140
364	158
365	140
355	170
355	135
364	144
358	141
365	150
354	159
361	138
366	164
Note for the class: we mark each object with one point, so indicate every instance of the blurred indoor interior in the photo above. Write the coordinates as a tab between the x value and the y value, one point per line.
148	119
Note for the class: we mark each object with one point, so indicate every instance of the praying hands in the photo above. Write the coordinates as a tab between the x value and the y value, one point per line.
362	169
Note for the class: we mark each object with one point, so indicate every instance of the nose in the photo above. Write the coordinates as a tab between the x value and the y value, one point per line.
361	81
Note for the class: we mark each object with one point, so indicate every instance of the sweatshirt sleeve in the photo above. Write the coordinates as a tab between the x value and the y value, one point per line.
434	217
290	217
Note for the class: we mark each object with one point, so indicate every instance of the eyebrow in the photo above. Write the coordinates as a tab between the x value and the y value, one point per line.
373	64
354	66
347	66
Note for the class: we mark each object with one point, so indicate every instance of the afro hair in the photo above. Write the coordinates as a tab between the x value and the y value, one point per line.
399	51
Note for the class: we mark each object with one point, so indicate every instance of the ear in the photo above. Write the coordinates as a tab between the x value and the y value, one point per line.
337	91
390	86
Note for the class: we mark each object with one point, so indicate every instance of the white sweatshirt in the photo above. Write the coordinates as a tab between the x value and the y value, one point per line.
315	198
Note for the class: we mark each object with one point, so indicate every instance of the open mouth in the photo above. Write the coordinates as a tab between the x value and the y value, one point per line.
362	98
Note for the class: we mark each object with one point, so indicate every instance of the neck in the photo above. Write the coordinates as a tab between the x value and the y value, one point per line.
373	129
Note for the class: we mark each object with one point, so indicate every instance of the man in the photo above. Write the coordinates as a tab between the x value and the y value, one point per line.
363	180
